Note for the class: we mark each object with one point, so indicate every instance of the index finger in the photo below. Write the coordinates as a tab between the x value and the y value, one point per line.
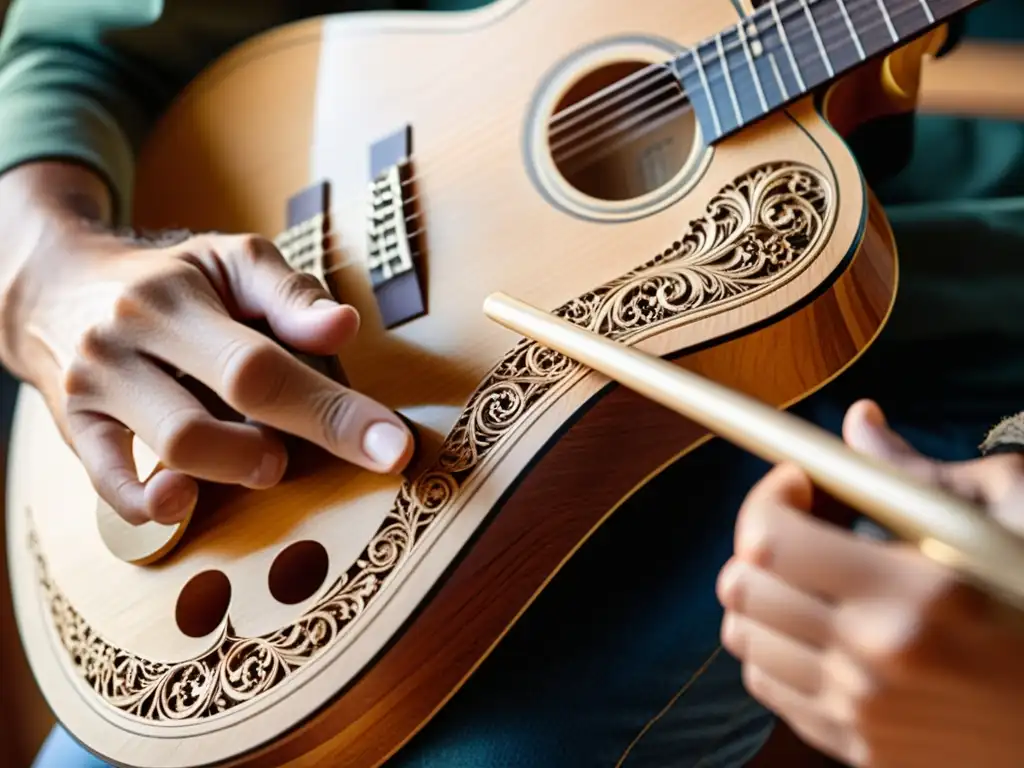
264	382
777	532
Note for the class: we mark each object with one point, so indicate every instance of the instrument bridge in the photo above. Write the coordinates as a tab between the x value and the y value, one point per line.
394	234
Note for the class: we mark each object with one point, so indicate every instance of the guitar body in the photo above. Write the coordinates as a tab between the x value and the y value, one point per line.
325	621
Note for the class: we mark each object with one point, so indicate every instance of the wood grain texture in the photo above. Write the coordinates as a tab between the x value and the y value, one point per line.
520	512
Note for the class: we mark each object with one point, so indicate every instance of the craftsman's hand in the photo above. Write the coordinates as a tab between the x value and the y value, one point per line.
101	326
870	652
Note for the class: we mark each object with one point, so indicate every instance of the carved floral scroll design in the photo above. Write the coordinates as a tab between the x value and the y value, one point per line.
757	232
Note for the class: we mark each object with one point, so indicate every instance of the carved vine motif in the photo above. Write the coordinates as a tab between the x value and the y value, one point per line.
756	231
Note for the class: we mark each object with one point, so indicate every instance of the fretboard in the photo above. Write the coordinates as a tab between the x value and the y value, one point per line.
787	48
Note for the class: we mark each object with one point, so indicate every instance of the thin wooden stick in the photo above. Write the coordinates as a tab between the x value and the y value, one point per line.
944	527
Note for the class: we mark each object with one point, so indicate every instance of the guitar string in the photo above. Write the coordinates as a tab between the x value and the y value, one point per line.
678	97
672	85
893	13
665	68
664	71
801	37
655	71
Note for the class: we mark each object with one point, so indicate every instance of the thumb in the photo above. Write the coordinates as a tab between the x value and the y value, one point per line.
866	430
994	482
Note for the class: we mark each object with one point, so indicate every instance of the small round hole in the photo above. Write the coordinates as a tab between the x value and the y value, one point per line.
203	603
298	571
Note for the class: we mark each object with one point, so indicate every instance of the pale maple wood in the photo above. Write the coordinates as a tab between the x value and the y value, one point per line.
304	103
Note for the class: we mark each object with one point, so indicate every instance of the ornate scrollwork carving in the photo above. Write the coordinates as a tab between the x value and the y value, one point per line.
757	232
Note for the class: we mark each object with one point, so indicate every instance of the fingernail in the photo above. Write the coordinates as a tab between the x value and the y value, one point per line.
267	473
875	416
385	443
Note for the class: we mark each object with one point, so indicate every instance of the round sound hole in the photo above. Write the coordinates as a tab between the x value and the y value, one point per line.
298	572
622	131
203	603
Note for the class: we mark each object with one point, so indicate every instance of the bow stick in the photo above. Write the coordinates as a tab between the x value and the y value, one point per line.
944	527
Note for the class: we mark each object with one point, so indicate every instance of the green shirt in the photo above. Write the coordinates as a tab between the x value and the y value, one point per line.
85	79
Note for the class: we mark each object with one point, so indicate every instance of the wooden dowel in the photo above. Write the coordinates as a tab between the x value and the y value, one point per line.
944	527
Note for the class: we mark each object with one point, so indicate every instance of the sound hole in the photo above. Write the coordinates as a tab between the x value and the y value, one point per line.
627	142
298	572
203	603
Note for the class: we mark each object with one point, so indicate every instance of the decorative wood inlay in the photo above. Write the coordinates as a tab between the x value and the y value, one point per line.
758	232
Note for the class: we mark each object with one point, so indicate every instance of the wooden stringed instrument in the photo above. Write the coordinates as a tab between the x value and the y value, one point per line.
672	176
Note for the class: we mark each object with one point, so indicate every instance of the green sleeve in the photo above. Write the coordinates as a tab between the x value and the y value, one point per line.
65	93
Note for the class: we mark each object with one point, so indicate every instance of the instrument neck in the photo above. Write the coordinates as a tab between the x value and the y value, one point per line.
788	48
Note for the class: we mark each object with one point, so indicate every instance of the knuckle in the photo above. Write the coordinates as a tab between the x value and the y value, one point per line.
93	345
160	291
176	436
338	414
113	491
253	250
80	381
299	288
130	306
254	376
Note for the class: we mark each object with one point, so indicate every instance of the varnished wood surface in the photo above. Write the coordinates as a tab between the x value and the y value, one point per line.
559	504
488	230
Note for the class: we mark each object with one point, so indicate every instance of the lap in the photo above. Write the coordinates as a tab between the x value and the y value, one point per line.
619	656
618	661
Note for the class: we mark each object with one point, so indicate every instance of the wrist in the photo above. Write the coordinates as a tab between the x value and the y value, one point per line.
48	212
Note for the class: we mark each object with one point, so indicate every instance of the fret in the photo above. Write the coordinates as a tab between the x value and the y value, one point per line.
836	28
760	52
801	33
773	64
692	74
908	16
787	48
813	25
750	94
719	88
723	62
888	21
867	18
781	31
853	31
749	46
